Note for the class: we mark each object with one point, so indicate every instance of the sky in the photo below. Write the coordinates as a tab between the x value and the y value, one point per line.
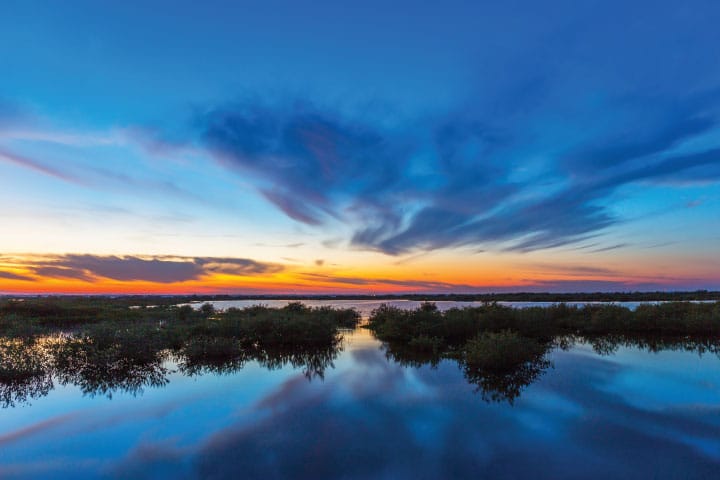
359	147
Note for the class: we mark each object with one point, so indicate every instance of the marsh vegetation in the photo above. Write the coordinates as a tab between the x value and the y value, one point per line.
502	349
104	346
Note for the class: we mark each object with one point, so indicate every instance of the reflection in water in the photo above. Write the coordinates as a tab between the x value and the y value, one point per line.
313	360
506	384
101	369
609	344
29	368
493	384
24	372
127	350
235	400
379	413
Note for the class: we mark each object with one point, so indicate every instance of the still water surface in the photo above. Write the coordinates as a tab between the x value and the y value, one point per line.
365	307
630	414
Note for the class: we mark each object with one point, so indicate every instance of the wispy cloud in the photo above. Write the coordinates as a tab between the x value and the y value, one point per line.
370	281
129	268
610	247
556	120
573	109
40	167
456	180
14	276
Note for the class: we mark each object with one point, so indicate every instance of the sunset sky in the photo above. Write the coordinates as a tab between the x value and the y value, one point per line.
359	147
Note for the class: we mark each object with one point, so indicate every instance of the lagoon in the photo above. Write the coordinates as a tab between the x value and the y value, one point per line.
365	307
591	411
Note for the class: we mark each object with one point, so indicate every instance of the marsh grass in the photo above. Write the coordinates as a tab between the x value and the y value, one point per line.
459	325
502	349
103	347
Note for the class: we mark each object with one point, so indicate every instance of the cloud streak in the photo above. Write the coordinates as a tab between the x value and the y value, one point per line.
434	286
129	268
572	110
26	162
579	105
14	276
452	183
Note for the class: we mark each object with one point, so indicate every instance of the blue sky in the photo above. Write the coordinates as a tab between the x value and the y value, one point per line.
404	142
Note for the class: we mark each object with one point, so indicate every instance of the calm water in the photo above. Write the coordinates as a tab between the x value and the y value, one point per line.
365	307
631	414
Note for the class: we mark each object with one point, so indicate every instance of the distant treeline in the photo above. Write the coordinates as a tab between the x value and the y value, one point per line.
675	296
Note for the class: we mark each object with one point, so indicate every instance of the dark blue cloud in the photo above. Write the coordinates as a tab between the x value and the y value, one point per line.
572	104
306	157
453	186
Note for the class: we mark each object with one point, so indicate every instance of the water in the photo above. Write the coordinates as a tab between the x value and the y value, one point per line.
365	307
631	414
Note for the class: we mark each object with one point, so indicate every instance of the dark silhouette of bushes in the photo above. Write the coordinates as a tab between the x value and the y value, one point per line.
24	372
502	349
104	347
458	325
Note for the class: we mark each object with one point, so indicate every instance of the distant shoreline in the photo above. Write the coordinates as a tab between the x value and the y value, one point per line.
479	297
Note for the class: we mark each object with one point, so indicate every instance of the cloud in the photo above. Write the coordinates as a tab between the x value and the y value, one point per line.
26	162
556	119
14	276
572	109
304	158
592	285
611	247
236	266
574	270
91	175
281	245
63	272
380	420
455	180
40	427
128	268
358	281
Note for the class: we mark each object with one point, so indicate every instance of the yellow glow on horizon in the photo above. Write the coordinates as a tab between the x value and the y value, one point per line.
366	273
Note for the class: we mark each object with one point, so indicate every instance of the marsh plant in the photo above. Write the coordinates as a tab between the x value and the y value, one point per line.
502	350
104	347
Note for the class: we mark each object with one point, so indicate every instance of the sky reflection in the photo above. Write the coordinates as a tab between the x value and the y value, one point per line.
632	414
